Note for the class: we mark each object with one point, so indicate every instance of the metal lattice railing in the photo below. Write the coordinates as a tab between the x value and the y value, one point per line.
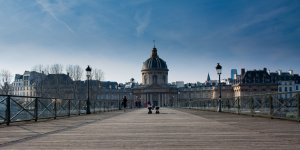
21	108
273	105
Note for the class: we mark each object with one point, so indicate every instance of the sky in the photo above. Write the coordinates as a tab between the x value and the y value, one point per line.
117	36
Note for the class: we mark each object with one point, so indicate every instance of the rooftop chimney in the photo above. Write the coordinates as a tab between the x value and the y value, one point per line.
265	69
279	72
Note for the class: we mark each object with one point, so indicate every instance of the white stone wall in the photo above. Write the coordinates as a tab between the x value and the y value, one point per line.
155	77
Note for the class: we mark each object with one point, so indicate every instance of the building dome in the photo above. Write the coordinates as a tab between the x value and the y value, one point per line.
155	70
154	62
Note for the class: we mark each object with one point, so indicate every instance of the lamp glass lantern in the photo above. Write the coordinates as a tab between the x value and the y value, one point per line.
219	68
88	71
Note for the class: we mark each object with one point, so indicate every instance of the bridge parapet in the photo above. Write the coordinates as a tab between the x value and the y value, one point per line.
25	108
283	105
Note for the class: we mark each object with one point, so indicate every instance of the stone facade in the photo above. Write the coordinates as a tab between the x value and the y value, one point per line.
155	88
154	70
254	82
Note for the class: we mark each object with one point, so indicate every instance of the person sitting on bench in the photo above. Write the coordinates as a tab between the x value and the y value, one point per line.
157	110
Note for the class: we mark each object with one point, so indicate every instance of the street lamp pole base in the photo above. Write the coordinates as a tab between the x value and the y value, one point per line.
220	106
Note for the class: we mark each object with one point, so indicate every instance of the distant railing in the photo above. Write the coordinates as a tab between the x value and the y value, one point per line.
284	105
24	108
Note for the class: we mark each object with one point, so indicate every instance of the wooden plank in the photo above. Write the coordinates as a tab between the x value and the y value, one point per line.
172	129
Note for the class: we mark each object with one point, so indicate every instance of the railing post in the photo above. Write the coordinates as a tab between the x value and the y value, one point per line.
94	106
228	105
36	109
69	107
79	107
298	107
252	106
271	106
103	105
238	106
8	110
107	106
55	109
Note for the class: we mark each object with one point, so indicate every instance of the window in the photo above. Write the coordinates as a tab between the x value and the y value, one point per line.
285	96
145	79
155	79
280	89
285	89
297	87
291	89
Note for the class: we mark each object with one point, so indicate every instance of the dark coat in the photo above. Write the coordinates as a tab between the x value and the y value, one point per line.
124	102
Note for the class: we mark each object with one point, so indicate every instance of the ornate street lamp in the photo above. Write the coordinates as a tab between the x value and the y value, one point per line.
190	86
219	72
110	98
131	97
119	87
88	75
178	97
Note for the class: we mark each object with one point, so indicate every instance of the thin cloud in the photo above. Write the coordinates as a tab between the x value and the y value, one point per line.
256	19
142	22
46	8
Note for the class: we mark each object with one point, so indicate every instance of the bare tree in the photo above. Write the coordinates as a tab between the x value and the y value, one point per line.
5	77
39	81
97	75
56	69
75	72
41	69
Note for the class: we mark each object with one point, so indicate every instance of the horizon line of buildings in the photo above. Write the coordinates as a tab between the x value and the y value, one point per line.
155	88
249	82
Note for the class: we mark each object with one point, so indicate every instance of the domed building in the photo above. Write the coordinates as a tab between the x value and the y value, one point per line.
155	70
155	88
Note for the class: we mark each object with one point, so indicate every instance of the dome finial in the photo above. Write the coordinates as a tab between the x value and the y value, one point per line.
154	43
154	52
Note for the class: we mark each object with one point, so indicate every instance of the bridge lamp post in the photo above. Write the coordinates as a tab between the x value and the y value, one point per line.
173	101
190	86
88	75
219	72
178	96
119	87
110	97
131	97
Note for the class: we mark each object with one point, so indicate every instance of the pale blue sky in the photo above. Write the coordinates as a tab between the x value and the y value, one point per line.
116	35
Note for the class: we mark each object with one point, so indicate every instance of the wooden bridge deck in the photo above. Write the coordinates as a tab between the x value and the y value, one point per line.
172	130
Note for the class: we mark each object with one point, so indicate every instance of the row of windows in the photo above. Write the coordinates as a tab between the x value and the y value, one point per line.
23	88
24	93
288	89
255	90
154	79
286	83
285	96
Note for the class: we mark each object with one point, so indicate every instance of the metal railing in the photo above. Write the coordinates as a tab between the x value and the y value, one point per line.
284	105
24	108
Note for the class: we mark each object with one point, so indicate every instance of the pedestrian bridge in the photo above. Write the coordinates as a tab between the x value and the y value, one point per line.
172	129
